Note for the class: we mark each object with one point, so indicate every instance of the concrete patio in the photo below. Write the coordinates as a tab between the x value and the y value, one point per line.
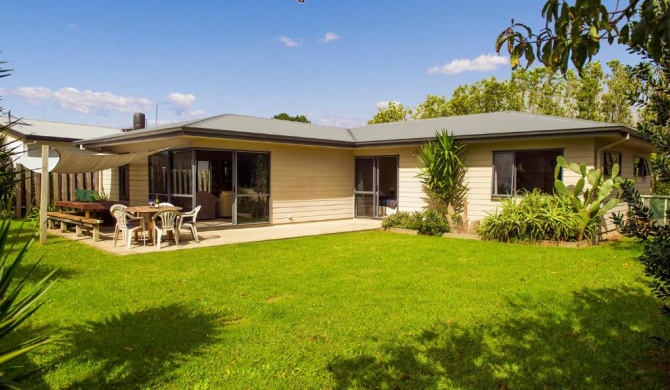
210	236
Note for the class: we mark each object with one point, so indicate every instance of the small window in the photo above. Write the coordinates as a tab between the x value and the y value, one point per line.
609	160
515	171
640	167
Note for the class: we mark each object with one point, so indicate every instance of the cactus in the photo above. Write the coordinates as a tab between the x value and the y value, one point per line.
589	202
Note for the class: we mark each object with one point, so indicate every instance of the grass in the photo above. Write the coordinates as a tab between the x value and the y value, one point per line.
360	310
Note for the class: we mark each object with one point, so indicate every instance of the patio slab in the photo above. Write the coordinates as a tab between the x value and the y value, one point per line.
226	235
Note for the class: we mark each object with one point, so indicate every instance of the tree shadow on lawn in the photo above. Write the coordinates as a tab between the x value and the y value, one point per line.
601	340
140	349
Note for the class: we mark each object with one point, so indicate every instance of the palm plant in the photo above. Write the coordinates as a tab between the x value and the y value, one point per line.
443	174
15	306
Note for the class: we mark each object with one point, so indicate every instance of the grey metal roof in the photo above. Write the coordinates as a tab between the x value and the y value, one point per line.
33	129
488	126
478	126
240	126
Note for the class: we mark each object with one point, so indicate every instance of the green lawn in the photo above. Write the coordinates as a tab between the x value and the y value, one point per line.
357	310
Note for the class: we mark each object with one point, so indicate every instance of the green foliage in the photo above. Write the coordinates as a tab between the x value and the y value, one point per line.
429	222
98	196
15	306
596	96
443	172
394	112
589	202
573	33
286	117
641	224
8	151
533	217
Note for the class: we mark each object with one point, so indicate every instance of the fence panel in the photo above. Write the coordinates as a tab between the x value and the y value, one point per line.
62	186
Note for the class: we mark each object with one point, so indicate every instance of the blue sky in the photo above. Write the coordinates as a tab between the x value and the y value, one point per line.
96	62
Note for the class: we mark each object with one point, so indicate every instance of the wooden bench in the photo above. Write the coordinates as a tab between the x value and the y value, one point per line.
77	220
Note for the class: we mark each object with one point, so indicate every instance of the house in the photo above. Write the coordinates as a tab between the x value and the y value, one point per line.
25	139
254	170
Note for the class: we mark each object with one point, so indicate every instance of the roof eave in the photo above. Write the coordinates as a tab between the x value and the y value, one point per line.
589	132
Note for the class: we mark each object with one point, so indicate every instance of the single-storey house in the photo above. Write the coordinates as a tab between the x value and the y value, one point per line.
253	170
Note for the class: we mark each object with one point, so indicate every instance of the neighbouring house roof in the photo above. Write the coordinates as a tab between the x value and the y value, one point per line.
38	130
477	127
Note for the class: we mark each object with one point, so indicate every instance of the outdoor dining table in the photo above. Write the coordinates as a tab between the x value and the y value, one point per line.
147	213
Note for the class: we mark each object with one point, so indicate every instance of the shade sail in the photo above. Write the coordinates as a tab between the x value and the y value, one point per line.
80	161
35	163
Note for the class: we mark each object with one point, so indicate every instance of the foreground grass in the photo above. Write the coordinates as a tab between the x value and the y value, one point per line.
357	310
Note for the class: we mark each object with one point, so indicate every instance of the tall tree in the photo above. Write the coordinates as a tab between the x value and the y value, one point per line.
596	96
433	107
394	112
286	117
616	101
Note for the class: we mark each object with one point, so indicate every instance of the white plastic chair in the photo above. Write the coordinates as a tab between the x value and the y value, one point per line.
114	207
191	217
168	223
165	204
122	218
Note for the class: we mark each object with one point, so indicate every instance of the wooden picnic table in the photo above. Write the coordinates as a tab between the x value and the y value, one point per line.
147	213
86	207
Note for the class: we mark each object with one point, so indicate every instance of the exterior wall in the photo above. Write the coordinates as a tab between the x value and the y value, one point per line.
629	150
410	193
307	183
139	183
479	160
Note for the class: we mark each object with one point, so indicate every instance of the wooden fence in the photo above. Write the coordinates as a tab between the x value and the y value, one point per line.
62	186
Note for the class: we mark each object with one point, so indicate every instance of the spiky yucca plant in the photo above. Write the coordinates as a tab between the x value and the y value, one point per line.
16	306
443	174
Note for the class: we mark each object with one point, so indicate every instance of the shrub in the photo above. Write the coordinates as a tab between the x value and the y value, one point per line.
16	307
429	222
433	223
641	224
533	217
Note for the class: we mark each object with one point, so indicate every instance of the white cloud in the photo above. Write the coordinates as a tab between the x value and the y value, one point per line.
32	95
86	101
385	104
329	37
288	42
83	102
181	103
480	64
183	100
72	26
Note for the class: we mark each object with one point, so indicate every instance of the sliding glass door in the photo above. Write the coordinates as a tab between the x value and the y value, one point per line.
252	192
229	185
365	189
376	181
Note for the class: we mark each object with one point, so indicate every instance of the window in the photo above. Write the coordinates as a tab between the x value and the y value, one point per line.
124	182
640	167
611	158
515	171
